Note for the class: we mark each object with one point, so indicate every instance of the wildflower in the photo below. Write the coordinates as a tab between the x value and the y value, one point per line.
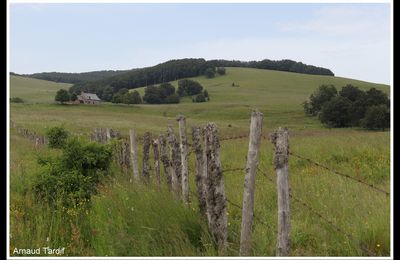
378	245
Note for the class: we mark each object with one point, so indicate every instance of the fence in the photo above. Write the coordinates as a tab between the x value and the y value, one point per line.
173	155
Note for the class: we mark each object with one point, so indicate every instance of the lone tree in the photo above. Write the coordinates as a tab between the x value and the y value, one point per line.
62	96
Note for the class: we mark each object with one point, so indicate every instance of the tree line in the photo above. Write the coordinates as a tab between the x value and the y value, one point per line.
350	106
73	78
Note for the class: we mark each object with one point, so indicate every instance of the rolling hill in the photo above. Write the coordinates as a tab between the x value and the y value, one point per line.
128	220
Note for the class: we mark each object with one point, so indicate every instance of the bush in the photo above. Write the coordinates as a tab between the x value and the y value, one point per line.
376	117
72	177
57	137
16	100
336	112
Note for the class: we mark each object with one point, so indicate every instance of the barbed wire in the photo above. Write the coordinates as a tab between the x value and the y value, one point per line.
330	222
233	137
340	174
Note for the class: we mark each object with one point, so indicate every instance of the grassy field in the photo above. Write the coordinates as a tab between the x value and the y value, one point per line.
35	90
126	220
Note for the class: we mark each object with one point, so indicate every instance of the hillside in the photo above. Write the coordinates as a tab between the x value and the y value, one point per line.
277	94
141	220
184	68
34	90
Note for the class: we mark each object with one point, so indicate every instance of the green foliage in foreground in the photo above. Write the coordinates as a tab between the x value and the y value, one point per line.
73	176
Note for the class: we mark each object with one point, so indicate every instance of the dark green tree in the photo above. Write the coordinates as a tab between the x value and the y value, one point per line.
210	73
62	96
200	98
221	71
376	117
107	94
318	98
351	92
74	97
336	112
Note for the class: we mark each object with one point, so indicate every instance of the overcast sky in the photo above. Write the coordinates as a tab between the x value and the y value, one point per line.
353	40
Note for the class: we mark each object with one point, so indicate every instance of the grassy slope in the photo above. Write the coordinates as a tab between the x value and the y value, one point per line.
34	90
279	95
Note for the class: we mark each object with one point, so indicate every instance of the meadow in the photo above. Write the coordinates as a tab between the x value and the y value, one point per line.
131	220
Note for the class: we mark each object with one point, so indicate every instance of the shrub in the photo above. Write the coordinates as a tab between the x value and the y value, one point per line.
73	176
16	100
376	117
57	137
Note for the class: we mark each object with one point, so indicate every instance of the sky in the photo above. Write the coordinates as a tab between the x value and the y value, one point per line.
353	40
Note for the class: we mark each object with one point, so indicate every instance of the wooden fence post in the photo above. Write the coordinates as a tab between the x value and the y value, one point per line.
249	182
135	168
200	172
175	161
280	140
157	161
108	134
146	156
184	154
216	200
165	159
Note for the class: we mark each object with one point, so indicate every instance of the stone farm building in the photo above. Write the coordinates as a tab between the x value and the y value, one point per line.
88	98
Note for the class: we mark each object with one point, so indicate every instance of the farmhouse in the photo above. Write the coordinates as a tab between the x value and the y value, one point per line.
88	98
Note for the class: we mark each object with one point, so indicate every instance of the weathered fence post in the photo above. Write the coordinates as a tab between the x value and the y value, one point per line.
279	138
249	182
165	160
157	161
216	201
184	154
175	161
135	168
108	134
200	172
146	156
